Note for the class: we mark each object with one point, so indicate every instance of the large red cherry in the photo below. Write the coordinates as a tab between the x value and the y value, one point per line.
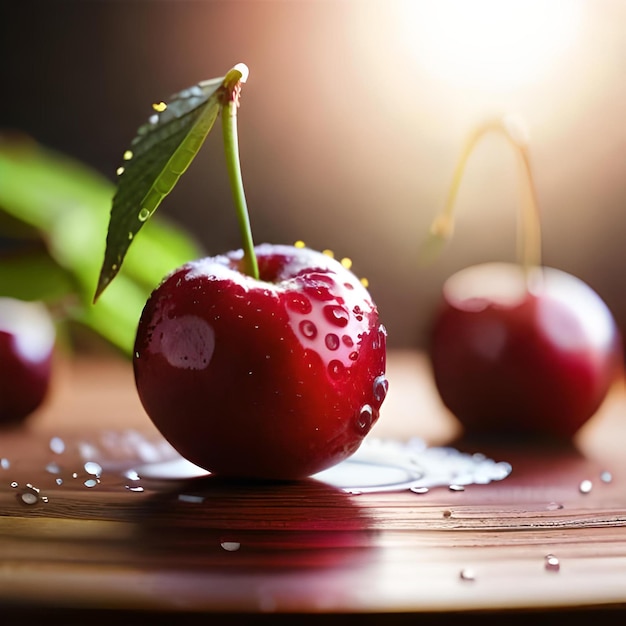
275	378
27	339
523	354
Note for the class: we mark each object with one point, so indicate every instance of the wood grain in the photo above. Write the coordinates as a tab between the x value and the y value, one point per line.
144	550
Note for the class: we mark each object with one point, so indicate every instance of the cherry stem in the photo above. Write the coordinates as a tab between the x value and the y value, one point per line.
529	227
230	104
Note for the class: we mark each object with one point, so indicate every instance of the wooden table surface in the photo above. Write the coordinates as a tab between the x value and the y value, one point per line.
80	547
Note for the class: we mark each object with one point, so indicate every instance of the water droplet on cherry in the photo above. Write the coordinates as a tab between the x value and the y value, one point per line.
365	418
381	338
308	329
347	341
319	292
238	291
332	341
299	304
336	315
186	342
336	369
381	386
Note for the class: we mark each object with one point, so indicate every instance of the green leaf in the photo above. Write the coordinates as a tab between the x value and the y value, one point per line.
116	314
53	211
161	248
33	275
160	153
38	185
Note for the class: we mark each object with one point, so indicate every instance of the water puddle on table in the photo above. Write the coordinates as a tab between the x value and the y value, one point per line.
378	466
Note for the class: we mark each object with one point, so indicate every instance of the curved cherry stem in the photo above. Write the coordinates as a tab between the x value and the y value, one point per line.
230	104
529	226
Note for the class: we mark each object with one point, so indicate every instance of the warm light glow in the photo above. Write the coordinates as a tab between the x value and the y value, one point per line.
489	44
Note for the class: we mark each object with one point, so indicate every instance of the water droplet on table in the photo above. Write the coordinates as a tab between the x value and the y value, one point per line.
131	475
378	466
606	476
554	506
552	563
30	495
93	468
53	468
183	497
467	574
57	445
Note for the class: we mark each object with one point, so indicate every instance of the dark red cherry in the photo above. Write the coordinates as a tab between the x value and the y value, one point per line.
275	378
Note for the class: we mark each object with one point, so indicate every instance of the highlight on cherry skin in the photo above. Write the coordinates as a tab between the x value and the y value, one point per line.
276	378
27	340
523	354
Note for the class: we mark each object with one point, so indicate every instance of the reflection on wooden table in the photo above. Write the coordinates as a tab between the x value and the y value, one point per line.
77	537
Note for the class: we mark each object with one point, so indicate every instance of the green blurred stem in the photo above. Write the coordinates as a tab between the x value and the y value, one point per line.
231	149
529	227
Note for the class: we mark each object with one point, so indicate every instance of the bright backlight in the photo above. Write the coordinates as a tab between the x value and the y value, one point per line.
489	44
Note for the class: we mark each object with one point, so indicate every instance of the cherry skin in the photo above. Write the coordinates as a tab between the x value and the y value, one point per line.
27	339
532	357
277	378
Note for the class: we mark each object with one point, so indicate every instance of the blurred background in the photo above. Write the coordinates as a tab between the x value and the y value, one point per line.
351	123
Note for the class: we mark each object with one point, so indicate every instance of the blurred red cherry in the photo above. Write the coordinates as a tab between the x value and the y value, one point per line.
523	354
27	338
